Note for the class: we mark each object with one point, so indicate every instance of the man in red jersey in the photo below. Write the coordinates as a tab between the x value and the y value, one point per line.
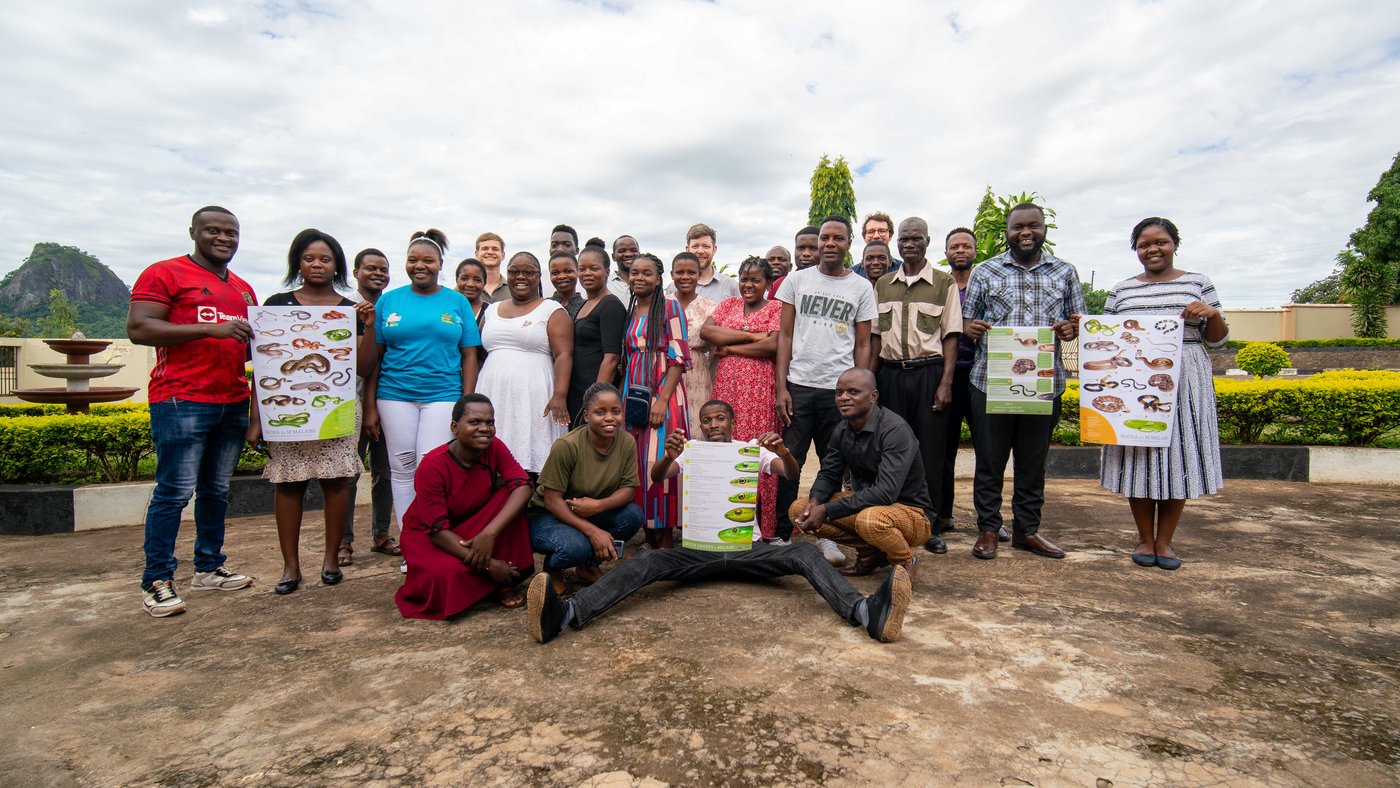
194	311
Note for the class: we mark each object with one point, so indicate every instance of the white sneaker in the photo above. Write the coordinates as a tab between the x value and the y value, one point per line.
831	552
403	568
777	542
161	600
220	579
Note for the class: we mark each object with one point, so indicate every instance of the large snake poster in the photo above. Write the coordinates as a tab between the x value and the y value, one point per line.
719	496
304	371
1128	370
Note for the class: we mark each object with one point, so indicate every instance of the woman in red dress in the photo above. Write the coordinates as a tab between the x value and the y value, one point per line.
465	537
744	333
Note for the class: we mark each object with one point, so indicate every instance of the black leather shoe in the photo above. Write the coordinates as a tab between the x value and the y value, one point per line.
331	578
935	544
1003	535
285	587
885	608
545	609
945	524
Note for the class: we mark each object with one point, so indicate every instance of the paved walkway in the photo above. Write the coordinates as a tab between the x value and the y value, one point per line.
1273	657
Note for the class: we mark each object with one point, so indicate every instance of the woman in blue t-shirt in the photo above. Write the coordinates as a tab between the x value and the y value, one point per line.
428	341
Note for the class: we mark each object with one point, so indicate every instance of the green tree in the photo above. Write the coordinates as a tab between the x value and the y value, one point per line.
833	193
1094	299
1327	290
62	319
1370	265
990	224
15	326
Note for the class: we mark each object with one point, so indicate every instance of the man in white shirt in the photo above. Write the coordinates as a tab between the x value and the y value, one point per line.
625	250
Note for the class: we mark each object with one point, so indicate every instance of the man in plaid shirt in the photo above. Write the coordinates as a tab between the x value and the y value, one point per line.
1024	286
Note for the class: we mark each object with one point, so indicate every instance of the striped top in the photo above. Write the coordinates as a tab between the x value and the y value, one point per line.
1136	297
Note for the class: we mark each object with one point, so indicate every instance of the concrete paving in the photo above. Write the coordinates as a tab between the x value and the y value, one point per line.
1271	657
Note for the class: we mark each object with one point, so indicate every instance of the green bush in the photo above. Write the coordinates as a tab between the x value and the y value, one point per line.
1261	358
1236	344
71	448
1245	408
1356	411
7	411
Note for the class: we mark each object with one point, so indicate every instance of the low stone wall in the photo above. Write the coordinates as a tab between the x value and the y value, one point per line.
1310	360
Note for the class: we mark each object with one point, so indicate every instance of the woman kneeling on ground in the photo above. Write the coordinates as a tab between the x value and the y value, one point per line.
464	536
584	499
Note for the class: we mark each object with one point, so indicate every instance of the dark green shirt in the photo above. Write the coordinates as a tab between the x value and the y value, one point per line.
577	469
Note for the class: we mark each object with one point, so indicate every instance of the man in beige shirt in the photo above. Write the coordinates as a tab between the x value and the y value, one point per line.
920	318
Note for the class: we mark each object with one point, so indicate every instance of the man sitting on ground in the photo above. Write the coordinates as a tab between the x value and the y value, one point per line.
881	613
889	510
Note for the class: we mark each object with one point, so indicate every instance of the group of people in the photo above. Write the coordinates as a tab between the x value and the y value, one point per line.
542	408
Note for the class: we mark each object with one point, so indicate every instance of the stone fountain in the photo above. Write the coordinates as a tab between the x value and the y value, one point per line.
79	393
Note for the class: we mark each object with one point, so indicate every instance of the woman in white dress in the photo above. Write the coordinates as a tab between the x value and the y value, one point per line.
529	344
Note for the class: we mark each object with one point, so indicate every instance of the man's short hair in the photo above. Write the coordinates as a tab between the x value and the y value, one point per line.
484	237
957	230
701	231
363	253
719	403
210	209
564	228
684	256
1027	206
838	218
808	230
876	242
877	216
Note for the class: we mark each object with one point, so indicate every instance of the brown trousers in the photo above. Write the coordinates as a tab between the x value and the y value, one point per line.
893	530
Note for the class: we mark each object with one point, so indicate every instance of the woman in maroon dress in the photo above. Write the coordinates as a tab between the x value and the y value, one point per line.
744	334
465	537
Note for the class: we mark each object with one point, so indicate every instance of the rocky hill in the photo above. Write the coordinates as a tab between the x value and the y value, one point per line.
99	294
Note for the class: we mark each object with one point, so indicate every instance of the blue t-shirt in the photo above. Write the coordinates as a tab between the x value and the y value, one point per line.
423	334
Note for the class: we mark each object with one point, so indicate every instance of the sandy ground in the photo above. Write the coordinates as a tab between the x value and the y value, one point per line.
1270	658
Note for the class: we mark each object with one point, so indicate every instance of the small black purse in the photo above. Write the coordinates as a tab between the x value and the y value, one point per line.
636	408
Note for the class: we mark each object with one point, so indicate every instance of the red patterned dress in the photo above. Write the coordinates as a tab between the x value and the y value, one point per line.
747	384
647	367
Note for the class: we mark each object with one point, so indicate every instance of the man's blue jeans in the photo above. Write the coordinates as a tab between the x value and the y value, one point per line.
564	546
197	446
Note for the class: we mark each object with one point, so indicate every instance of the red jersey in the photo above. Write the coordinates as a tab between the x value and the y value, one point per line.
202	370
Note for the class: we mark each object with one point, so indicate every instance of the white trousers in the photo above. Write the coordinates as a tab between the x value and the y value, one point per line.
411	429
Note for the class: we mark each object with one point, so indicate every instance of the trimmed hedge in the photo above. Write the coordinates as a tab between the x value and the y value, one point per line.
1236	344
108	446
7	411
1349	407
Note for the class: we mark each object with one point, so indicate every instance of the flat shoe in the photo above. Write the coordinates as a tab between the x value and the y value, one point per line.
285	587
331	578
1168	562
1145	559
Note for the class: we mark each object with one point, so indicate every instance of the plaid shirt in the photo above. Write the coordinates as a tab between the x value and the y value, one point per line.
1004	293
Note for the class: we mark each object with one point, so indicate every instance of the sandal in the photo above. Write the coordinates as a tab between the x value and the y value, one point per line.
509	597
345	556
387	546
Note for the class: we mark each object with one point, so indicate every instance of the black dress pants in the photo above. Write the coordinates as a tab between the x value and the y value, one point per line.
909	393
814	417
997	437
682	564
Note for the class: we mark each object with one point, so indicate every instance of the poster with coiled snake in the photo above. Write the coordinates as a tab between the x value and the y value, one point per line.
304	371
1128	370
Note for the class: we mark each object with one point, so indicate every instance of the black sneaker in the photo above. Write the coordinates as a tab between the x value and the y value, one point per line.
886	607
546	610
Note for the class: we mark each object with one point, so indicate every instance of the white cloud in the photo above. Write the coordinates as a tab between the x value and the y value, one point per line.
1258	127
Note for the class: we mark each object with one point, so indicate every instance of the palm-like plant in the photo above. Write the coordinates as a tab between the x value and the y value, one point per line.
990	224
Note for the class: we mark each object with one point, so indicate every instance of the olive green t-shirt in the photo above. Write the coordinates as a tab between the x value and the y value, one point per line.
578	470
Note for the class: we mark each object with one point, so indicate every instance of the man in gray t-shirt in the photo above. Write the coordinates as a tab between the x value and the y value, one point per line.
827	314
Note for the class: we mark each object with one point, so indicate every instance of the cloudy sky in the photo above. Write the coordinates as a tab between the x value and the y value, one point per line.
1257	126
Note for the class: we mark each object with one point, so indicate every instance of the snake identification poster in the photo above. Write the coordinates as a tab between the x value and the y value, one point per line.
719	496
1128	370
1021	370
304	371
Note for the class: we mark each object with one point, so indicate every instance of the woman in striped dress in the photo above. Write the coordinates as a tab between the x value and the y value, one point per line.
1159	480
657	355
